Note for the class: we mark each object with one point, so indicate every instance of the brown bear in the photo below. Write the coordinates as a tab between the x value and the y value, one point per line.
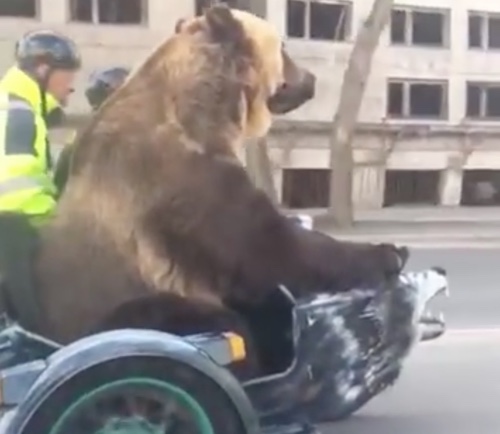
158	202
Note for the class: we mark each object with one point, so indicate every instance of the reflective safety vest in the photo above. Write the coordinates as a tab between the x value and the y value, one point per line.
26	184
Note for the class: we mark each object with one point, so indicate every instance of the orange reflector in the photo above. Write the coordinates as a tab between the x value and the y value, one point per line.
237	346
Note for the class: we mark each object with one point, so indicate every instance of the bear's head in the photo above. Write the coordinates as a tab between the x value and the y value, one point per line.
214	83
272	82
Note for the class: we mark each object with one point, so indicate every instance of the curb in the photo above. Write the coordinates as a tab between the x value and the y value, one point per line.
455	215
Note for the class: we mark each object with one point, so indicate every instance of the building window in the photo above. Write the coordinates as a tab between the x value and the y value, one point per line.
417	99
19	8
484	30
420	27
483	100
411	187
318	20
306	188
108	11
480	187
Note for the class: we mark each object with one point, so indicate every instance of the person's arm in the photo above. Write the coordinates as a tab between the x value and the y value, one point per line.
20	138
62	168
20	130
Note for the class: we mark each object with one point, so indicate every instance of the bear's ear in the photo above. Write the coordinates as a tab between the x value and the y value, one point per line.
223	26
190	26
178	25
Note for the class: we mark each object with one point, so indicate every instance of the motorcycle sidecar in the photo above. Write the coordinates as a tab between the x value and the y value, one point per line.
124	382
127	381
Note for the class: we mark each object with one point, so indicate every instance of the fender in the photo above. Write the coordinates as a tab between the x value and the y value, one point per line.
83	354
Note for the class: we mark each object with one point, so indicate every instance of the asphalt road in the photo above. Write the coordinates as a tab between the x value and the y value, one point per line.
452	385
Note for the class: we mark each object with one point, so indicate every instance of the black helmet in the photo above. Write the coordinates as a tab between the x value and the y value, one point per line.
103	83
45	47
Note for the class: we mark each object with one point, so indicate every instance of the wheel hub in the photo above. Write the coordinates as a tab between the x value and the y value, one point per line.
130	425
134	406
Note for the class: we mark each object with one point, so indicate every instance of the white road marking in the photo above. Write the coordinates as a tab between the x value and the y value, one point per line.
475	331
468	335
449	245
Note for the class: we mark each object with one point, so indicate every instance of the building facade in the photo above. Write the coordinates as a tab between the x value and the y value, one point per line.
431	112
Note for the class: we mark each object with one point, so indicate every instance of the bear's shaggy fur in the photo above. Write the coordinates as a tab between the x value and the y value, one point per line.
157	201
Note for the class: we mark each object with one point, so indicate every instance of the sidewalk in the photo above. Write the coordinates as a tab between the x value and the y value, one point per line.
421	227
432	215
419	214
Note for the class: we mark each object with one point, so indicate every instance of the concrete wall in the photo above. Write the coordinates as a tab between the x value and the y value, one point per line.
456	63
104	45
110	44
445	151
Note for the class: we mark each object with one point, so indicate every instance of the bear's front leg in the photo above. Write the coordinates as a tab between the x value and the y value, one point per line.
342	265
223	229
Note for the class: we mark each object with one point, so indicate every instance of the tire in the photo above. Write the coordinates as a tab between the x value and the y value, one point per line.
204	406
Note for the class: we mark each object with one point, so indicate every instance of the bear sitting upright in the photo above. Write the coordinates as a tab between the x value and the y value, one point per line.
158	202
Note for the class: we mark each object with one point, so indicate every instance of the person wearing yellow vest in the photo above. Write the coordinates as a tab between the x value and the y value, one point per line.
32	95
101	84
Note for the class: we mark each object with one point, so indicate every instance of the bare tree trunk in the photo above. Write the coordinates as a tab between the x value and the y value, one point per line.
259	167
344	122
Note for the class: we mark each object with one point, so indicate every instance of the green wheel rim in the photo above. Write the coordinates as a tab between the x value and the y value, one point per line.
179	395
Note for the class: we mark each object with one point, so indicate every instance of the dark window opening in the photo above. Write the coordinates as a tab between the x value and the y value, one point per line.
318	20
328	21
493	102
81	11
415	27
476	24
306	188
473	101
494	32
117	11
480	188
108	11
395	100
18	8
484	30
296	19
417	100
398	26
426	100
428	28
411	187
483	100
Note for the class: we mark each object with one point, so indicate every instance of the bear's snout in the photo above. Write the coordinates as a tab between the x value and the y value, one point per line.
291	95
299	87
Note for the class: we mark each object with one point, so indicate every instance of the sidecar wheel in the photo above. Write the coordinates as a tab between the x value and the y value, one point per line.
140	395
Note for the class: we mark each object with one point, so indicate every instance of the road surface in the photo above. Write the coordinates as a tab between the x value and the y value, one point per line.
450	386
